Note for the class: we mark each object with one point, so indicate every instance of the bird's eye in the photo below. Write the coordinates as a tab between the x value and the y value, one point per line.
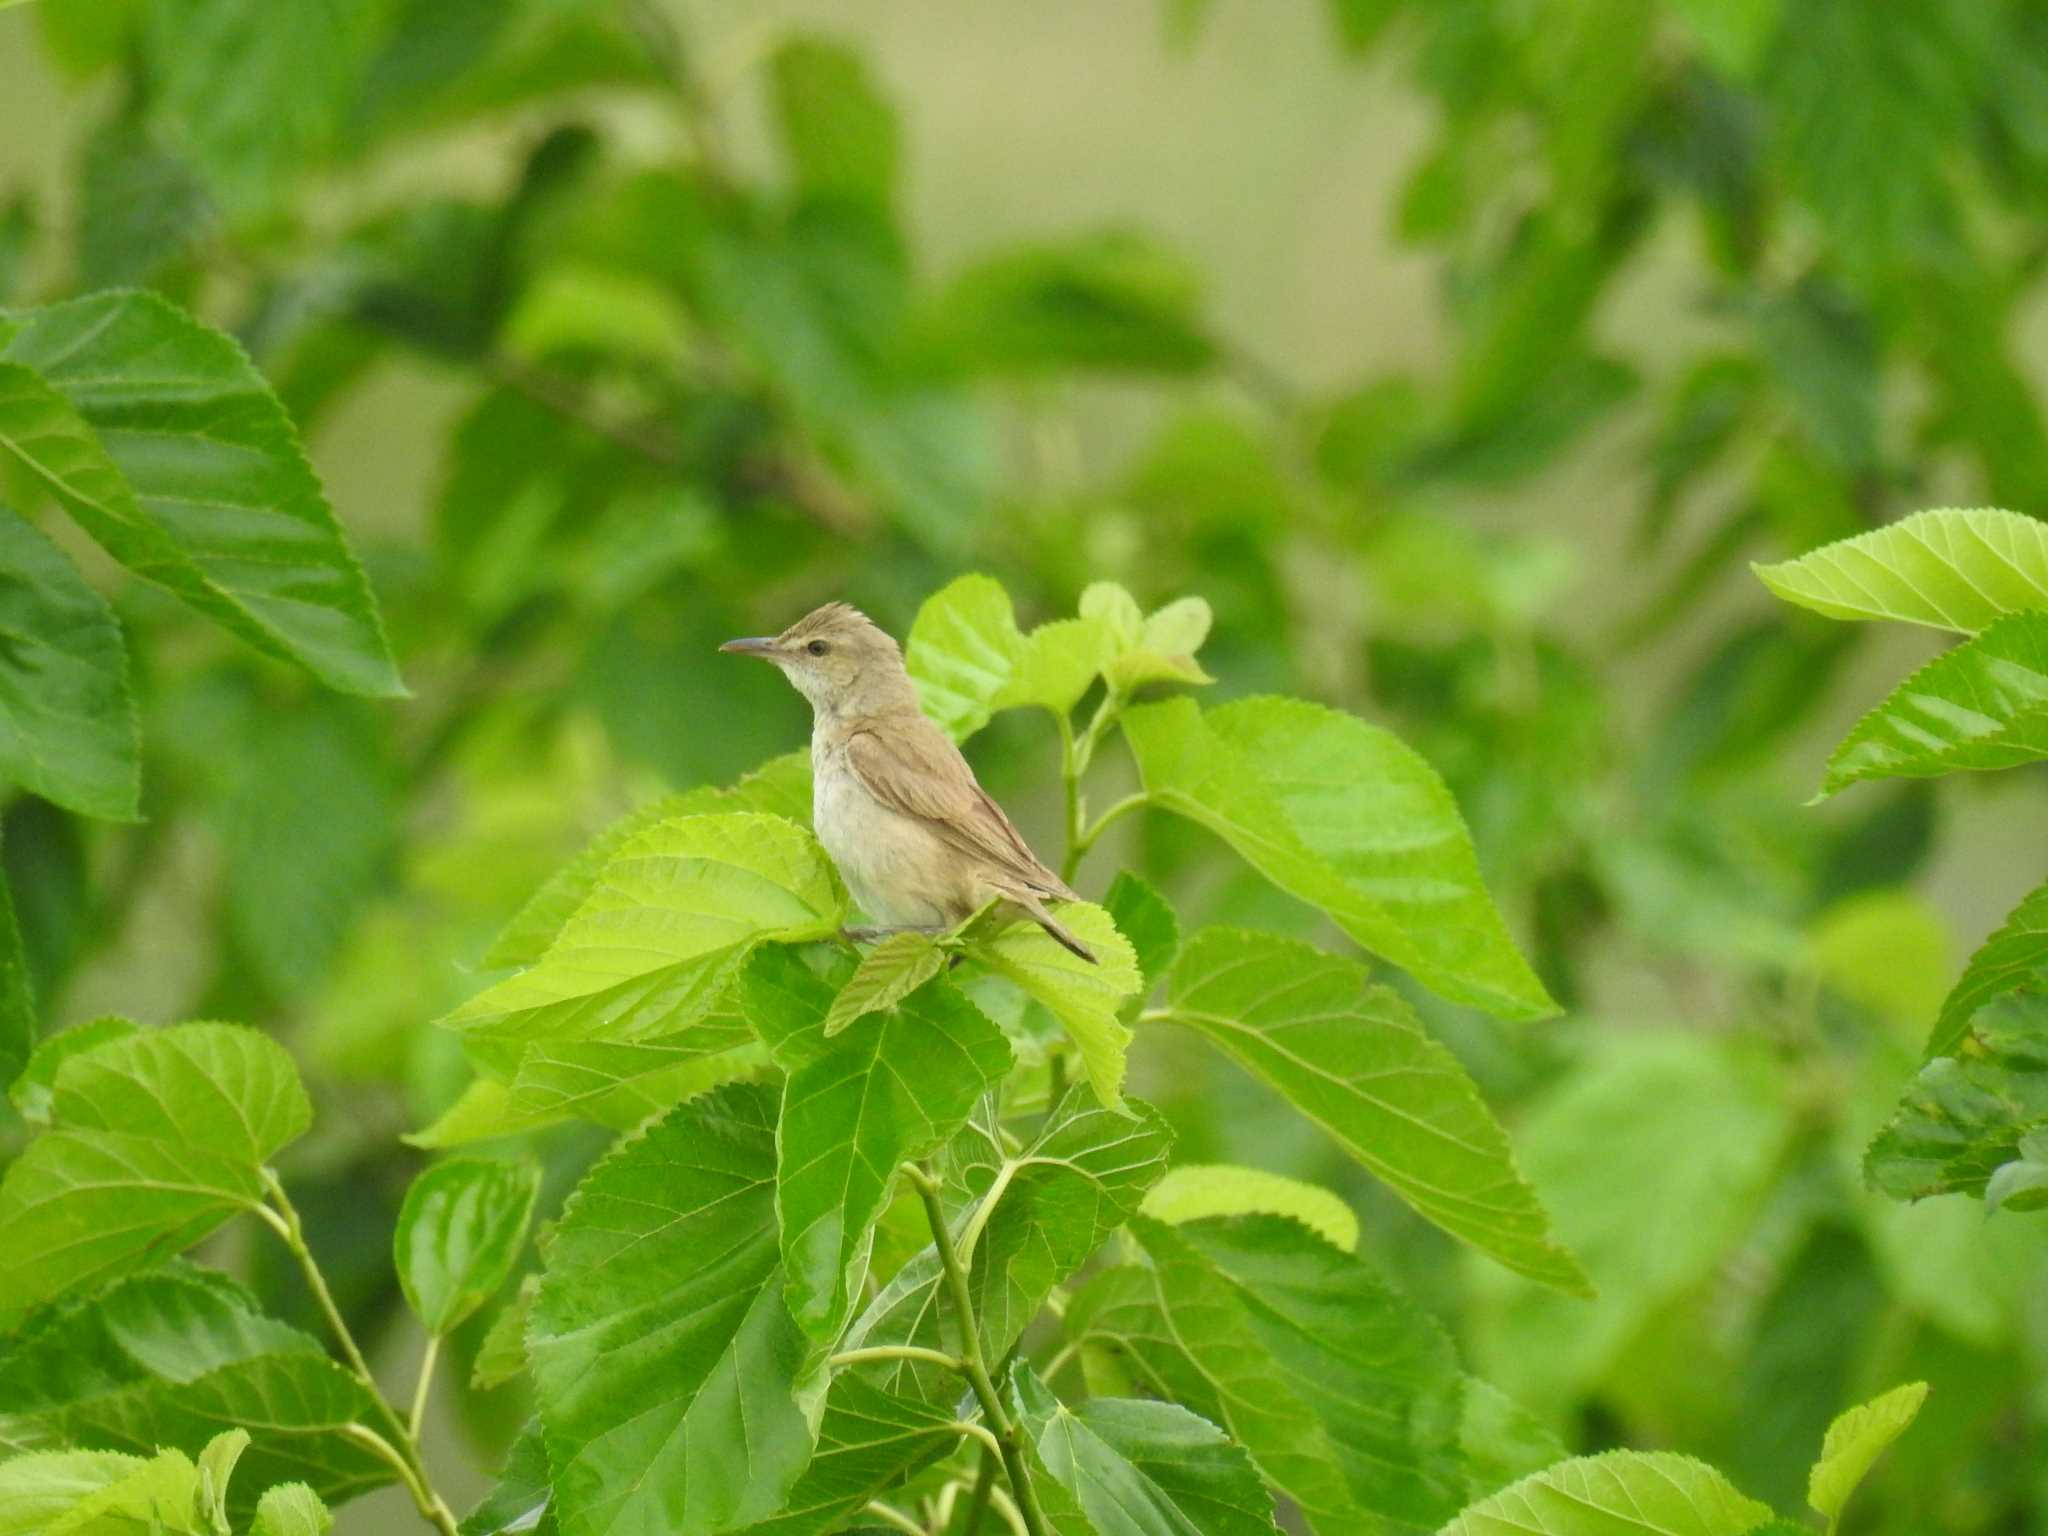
817	647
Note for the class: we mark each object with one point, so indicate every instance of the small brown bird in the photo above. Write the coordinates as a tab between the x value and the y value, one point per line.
919	841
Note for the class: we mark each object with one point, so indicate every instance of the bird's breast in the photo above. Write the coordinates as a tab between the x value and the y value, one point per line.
897	867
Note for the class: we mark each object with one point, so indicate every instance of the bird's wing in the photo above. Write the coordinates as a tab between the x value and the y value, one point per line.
915	771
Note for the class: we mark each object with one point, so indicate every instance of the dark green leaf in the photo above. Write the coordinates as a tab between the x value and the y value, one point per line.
175	1357
1979	706
1352	1057
17	1002
156	1139
201	484
520	1500
1341	815
67	723
1148	921
1113	302
677	1394
1143	1468
459	1232
1963	1116
868	1439
1022	1223
2014	959
890	1089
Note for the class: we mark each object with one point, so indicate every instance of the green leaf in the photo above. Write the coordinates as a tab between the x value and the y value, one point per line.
1022	1223
969	659
1341	815
1145	918
1352	1057
671	912
888	973
2014	959
780	787
501	1357
520	1500
1111	302
1195	1190
67	721
839	133
890	1089
1952	569
176	1357
868	1440
1084	997
1854	1442
289	88
1143	1468
213	498
1963	1117
291	1509
159	1496
1161	648
459	1232
1701	1126
1617	1494
38	1488
677	1394
156	1139
2021	1185
1347	1394
17	1001
34	1090
1981	706
1503	1441
216	1466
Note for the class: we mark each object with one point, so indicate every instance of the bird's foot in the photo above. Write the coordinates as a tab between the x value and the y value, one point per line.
874	935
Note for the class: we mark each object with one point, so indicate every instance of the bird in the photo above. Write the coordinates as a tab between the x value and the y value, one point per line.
920	843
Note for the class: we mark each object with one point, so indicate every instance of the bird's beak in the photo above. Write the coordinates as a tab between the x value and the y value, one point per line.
762	646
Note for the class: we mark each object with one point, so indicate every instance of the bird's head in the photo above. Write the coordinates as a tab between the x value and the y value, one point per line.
838	658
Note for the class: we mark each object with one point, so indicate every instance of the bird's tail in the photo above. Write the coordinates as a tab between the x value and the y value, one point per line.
1052	925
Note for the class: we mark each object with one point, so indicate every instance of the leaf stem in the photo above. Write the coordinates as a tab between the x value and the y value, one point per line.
984	1484
1075	756
1007	1433
1078	850
428	1357
402	1451
892	1517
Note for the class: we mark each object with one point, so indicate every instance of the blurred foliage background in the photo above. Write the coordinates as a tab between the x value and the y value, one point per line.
1461	354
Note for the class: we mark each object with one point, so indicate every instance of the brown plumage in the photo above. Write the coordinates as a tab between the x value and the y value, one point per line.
918	839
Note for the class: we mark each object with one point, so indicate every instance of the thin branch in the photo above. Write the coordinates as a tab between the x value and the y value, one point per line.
984	1484
428	1357
900	1352
893	1517
1007	1433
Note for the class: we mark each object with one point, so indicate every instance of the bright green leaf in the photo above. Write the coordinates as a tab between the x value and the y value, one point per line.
1952	569
888	973
891	1089
459	1233
37	1488
34	1090
1854	1442
159	1496
839	133
501	1357
1982	705
214	498
1085	997
969	659
216	1466
67	722
678	1396
291	1509
669	915
1351	1056
156	1138
1195	1190
1619	1494
1341	815
779	787
1143	1468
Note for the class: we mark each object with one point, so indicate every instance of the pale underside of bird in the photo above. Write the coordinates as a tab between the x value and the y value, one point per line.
919	842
